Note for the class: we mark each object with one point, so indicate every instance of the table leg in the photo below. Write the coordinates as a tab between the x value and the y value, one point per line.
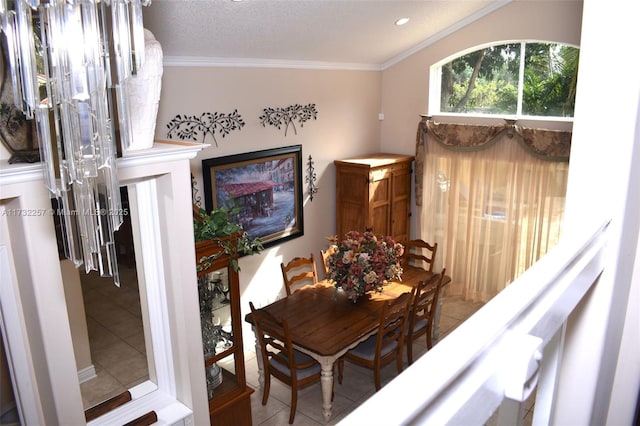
326	382
259	361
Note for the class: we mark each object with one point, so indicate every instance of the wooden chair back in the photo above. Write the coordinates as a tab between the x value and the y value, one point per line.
298	272
393	318
386	345
420	254
324	255
422	314
273	336
280	359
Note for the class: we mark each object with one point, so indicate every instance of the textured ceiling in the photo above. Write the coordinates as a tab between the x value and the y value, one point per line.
348	32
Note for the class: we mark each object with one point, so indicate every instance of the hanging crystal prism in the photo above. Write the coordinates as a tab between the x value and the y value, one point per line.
61	62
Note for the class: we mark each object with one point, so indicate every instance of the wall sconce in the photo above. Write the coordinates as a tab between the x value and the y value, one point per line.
61	55
311	179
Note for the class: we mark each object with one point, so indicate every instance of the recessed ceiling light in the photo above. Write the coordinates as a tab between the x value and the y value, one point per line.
402	21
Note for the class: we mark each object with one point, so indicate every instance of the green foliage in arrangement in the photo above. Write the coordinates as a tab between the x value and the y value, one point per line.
220	226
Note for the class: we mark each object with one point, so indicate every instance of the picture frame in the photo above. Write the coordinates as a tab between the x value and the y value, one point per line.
266	185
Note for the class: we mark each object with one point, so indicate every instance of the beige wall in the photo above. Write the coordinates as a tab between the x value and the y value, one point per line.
405	86
347	124
347	103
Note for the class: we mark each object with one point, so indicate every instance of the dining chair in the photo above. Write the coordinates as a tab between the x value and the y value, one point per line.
419	253
386	344
298	271
280	359
422	319
324	255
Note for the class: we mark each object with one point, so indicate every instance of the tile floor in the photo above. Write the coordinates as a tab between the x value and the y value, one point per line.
116	339
117	345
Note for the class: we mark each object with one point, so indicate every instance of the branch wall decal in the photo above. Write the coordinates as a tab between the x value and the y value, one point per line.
190	127
278	117
311	178
195	196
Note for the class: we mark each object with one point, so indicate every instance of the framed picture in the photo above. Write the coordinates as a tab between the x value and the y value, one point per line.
266	185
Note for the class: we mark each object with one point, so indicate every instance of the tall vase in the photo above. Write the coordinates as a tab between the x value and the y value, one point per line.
144	95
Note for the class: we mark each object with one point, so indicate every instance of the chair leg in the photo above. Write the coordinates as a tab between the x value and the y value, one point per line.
376	379
266	388
294	404
340	369
429	335
410	351
376	375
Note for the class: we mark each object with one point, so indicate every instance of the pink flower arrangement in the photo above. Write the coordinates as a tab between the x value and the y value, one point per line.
364	262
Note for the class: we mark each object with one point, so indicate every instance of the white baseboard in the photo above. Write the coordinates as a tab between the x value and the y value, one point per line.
86	373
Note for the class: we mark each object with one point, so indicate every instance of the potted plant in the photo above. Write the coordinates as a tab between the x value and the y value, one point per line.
218	232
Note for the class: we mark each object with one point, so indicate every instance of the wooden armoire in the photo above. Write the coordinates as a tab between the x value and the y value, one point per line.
373	192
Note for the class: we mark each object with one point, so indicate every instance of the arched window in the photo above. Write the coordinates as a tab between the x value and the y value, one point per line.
521	79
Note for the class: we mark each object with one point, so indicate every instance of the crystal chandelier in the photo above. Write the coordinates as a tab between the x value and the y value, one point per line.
70	61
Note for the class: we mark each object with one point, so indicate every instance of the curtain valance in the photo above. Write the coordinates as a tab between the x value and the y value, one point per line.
548	145
551	145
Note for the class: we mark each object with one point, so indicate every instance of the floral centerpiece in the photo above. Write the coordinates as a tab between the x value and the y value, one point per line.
364	262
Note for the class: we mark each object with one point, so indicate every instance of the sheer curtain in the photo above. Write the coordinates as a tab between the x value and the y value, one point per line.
492	197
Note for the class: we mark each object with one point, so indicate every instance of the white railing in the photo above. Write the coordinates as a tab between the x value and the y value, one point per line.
501	354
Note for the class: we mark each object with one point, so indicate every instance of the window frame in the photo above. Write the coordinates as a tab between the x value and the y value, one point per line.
435	84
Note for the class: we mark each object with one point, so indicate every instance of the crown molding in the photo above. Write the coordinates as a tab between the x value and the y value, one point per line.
200	61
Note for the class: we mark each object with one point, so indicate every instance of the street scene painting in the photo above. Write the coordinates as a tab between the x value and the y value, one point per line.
266	185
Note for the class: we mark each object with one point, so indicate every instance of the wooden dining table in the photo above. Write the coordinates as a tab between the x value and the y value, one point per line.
325	324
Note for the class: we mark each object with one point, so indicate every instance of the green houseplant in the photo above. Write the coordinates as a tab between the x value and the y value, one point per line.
220	227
